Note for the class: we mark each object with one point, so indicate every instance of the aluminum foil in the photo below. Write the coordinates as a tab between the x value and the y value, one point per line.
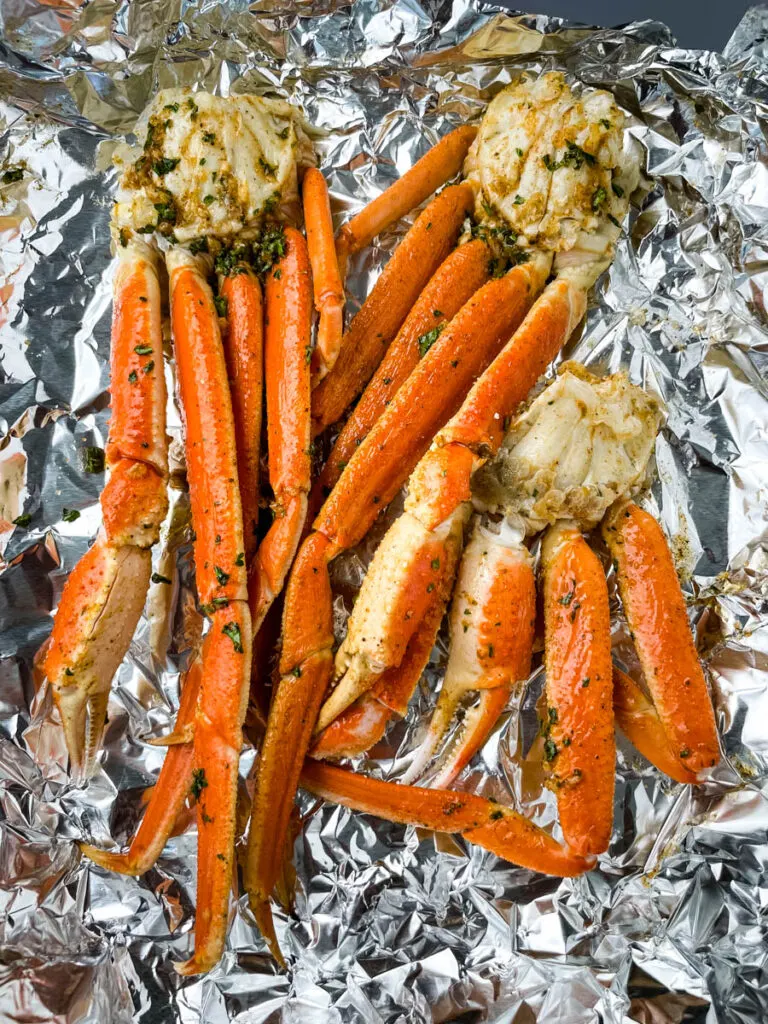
390	924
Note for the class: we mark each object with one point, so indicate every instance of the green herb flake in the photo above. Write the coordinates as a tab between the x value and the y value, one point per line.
605	123
12	175
156	577
269	169
198	245
685	752
598	198
150	366
232	630
240	560
222	578
284	133
435	563
496	815
69	515
93	459
208	199
427	340
209	137
550	750
199	782
585	682
165	165
617	190
519	200
143	350
125	237
166	212
215	605
613	221
552	712
133	377
173	107
221	304
23	520
296	672
519	152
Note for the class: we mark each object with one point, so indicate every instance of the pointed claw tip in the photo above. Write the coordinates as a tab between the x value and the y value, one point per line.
262	912
117	862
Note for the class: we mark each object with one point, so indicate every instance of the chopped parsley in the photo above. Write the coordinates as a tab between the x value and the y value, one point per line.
14	174
93	459
209	137
143	350
232	630
165	165
519	200
173	107
222	578
124	236
69	515
598	198
214	605
208	199
427	340
240	560
199	782
157	578
221	304
23	520
133	377
550	750
284	133
617	190
198	245
269	169
166	212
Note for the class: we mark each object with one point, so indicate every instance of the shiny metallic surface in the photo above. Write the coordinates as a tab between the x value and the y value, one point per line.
390	924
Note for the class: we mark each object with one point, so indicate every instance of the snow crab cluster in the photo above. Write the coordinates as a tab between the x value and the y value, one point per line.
476	302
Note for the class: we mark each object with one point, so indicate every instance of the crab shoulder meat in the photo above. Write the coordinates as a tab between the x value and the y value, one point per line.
556	169
584	443
209	165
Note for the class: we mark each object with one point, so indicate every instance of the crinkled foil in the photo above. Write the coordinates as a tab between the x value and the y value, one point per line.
390	924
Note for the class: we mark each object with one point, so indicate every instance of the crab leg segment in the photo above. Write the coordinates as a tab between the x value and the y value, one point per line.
168	796
373	477
243	350
492	623
453	284
655	610
440	484
222	588
639	720
104	595
496	828
288	294
328	287
579	740
436	167
413	263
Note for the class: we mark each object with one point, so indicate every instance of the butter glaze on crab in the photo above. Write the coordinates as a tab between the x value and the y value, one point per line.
210	165
557	169
583	444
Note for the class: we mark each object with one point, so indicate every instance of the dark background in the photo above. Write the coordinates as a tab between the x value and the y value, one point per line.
703	24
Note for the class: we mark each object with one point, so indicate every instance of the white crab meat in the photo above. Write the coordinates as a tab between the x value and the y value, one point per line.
582	444
208	165
556	169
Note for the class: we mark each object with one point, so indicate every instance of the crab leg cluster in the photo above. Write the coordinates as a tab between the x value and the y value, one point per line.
452	338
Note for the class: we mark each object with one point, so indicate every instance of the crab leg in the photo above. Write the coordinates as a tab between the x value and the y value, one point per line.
243	354
493	616
436	167
454	282
243	350
376	636
104	595
362	725
655	610
639	720
168	794
579	728
373	477
414	262
328	287
222	589
288	295
494	827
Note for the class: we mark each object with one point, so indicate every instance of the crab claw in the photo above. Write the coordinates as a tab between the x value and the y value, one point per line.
492	623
